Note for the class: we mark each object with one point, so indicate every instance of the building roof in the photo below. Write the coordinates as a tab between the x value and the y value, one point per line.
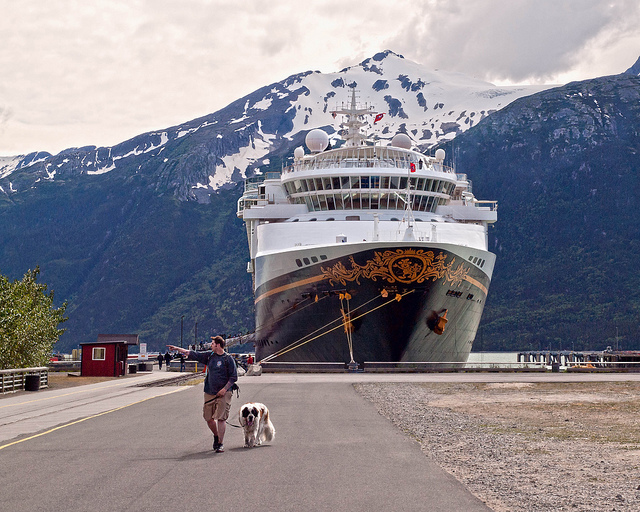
128	339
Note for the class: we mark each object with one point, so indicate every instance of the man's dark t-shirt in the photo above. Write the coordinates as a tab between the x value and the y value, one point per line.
220	370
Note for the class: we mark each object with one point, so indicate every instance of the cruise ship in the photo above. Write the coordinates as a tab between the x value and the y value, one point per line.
366	252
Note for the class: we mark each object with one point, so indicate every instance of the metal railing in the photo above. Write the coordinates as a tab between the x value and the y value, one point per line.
15	379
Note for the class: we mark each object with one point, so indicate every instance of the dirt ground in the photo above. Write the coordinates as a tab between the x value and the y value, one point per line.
527	447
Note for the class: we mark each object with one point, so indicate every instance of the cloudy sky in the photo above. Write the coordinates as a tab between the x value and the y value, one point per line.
97	72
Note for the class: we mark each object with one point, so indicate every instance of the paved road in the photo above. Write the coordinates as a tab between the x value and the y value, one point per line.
332	452
115	446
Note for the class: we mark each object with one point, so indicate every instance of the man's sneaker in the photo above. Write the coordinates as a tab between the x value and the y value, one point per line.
216	443
220	448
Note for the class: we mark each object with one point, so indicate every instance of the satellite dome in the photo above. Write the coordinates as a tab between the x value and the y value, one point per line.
298	153
440	155
317	140
401	140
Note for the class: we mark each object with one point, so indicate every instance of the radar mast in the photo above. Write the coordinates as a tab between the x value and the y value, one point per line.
354	121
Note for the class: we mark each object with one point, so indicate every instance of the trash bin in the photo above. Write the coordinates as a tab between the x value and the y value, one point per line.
133	368
555	367
31	382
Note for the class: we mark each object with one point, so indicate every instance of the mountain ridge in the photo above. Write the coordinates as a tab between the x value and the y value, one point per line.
234	142
138	235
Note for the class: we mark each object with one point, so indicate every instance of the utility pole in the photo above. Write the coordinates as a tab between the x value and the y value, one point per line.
181	326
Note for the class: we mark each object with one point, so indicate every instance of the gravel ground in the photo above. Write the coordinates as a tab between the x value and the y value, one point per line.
527	447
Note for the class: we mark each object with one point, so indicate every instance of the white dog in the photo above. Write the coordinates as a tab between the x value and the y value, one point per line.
254	418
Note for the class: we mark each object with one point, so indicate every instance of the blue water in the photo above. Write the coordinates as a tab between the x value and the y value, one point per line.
493	357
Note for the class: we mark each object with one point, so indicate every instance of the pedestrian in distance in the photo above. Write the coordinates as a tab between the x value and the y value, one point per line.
160	359
167	360
221	377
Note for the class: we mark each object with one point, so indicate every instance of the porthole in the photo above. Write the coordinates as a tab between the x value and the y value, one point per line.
323	257
298	262
314	259
306	261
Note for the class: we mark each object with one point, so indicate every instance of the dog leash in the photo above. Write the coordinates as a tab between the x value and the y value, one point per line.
232	425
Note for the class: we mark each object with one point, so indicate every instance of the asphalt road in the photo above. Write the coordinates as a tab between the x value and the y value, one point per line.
332	451
116	446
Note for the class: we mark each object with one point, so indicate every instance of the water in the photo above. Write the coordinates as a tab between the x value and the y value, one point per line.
493	357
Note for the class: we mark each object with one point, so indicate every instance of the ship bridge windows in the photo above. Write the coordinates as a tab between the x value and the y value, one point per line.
477	261
368	192
368	182
303	262
367	201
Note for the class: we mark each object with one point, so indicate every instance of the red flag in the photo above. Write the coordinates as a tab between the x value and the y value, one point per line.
412	166
378	118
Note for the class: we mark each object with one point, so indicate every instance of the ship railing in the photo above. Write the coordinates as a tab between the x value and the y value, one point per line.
357	163
244	203
490	206
252	184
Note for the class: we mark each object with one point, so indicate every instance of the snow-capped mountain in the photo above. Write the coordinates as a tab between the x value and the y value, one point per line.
199	157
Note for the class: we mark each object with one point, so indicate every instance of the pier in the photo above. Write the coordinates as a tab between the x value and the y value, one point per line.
611	360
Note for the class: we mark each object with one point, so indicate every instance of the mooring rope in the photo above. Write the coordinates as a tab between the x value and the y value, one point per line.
346	321
277	353
299	343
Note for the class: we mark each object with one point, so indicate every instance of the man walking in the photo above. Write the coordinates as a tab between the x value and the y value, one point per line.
221	376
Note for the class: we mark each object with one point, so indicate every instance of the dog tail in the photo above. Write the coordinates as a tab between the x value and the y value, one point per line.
269	430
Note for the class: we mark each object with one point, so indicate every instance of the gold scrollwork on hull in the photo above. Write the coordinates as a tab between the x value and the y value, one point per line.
400	265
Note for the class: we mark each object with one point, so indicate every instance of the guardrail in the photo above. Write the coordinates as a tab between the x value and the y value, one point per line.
24	379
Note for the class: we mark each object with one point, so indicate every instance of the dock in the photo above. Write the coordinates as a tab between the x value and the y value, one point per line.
610	360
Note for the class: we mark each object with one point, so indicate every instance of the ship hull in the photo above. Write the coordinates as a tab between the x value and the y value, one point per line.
385	302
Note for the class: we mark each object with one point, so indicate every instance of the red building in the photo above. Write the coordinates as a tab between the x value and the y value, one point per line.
106	357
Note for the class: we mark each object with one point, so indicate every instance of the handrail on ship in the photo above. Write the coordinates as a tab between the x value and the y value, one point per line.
365	163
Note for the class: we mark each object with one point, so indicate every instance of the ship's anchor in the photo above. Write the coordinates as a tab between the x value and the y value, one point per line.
437	321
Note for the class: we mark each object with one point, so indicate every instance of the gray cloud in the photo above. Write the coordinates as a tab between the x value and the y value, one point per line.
534	40
78	73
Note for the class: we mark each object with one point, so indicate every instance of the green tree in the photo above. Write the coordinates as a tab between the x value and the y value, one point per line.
28	322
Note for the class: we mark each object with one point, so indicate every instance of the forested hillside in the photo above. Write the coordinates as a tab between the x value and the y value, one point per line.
564	166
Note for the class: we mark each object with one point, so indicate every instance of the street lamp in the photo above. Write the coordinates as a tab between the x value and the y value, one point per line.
181	326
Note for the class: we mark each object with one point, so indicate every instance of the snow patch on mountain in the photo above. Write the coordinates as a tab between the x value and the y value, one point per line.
8	164
430	106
